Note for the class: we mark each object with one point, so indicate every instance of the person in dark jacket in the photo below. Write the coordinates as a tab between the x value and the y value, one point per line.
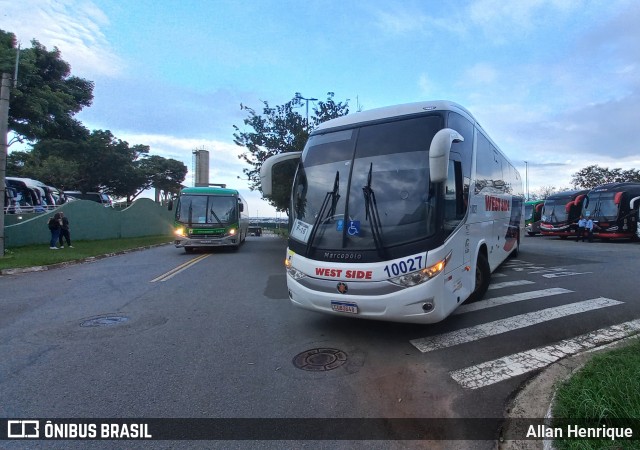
64	230
54	224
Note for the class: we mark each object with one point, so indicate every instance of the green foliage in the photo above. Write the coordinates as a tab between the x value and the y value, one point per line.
7	52
280	129
593	176
47	96
607	388
165	175
98	162
64	153
41	255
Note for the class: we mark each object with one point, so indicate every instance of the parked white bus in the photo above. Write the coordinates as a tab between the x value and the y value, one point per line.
399	213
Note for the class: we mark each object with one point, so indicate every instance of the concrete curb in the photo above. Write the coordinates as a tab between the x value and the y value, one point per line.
20	270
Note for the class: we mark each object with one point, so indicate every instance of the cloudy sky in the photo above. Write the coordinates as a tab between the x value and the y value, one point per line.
555	83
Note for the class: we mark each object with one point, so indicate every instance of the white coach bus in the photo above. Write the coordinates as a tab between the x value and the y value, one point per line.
399	213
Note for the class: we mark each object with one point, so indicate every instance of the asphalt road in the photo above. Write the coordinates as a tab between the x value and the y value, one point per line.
163	334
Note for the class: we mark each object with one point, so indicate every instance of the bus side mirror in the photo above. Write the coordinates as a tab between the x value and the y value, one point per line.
578	200
170	205
439	153
274	163
568	206
241	206
539	207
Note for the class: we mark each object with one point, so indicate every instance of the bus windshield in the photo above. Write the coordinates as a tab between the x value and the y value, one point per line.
366	187
554	210
207	209
601	206
528	211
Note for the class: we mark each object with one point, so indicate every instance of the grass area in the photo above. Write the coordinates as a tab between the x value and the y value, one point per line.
607	388
41	255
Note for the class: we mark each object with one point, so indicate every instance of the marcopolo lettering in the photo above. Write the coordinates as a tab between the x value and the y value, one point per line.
352	256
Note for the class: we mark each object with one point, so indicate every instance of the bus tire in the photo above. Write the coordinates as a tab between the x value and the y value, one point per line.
483	276
516	251
188	249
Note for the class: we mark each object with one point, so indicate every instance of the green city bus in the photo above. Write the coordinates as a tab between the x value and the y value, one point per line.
533	216
210	217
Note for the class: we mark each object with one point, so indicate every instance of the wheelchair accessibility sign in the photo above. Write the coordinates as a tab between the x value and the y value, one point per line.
353	227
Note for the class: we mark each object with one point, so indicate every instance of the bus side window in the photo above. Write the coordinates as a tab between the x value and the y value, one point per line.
454	202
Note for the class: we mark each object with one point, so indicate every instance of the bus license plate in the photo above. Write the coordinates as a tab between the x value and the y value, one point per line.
346	307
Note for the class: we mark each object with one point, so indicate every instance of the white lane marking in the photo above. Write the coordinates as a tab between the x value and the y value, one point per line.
474	333
498	275
501	369
497	301
564	274
505	284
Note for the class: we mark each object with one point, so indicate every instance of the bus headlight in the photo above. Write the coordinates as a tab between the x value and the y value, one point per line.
232	231
293	272
422	275
179	232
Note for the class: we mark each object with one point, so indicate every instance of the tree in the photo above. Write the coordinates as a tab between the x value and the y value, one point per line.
47	95
545	191
593	176
164	175
280	129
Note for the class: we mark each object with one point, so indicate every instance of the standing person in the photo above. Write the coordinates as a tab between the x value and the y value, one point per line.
589	229
581	225
64	230
54	224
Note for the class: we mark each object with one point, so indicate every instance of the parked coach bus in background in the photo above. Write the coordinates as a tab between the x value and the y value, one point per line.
388	220
614	210
210	217
533	216
561	212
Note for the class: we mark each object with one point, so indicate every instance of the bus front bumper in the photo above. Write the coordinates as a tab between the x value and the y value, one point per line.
409	307
208	242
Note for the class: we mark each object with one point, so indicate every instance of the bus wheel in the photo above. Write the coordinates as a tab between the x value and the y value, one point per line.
483	276
188	249
516	251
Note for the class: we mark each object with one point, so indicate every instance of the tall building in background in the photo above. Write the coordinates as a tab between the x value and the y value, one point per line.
201	167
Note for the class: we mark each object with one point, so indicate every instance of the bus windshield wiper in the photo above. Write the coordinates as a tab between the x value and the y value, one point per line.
190	213
213	213
371	213
331	196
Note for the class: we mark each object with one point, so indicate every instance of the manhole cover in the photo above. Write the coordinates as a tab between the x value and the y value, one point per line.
104	321
320	359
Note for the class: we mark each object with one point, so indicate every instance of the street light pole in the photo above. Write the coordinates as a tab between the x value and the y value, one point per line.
307	100
526	177
4	125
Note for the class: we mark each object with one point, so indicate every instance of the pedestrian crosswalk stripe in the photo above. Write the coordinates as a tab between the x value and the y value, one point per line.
501	369
505	284
497	301
474	333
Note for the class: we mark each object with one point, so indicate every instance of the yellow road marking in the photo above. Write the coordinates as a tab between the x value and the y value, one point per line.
176	270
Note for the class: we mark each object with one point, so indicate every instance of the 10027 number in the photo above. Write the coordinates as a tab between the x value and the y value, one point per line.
402	267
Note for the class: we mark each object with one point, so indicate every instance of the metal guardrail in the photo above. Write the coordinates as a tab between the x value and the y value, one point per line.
14	209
